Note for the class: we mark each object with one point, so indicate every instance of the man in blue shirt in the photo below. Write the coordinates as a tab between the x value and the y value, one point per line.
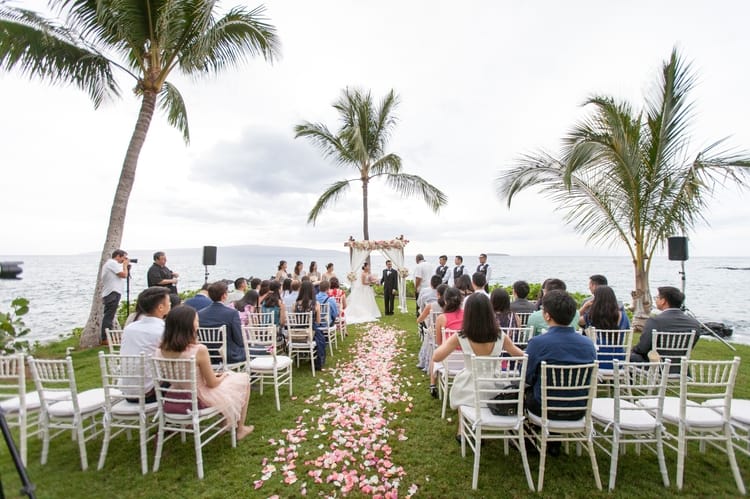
322	297
560	345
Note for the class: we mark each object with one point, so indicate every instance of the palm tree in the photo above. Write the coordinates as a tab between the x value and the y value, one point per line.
360	143
628	176
145	40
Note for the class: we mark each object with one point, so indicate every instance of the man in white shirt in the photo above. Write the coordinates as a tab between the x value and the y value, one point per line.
240	288
479	283
484	267
422	275
113	275
144	335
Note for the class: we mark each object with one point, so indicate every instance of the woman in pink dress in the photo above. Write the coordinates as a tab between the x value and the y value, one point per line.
229	392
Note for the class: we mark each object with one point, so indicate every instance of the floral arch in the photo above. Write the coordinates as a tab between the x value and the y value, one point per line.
392	250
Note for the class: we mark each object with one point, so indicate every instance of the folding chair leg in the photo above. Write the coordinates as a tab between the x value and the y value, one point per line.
525	460
681	450
660	457
105	445
276	392
159	446
477	455
594	466
198	451
143	437
615	454
733	459
542	459
82	447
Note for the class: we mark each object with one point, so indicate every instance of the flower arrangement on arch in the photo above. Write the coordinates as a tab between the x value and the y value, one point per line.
397	243
403	272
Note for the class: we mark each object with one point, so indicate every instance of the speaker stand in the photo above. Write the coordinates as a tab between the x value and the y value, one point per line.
205	277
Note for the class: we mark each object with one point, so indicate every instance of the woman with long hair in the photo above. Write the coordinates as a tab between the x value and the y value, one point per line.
306	302
229	392
299	271
500	300
246	305
604	312
463	284
273	303
329	273
313	273
338	294
451	318
479	336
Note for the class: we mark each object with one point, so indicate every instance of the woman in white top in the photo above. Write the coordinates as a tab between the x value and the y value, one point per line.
299	272
281	274
313	274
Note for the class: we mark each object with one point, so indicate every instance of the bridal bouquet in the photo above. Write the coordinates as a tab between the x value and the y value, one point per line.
374	280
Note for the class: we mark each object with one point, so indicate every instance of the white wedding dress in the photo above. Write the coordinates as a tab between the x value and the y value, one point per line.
360	304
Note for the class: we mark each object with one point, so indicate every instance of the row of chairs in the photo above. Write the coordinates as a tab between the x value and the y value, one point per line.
635	414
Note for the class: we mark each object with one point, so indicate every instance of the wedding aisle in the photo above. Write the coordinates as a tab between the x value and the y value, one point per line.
346	449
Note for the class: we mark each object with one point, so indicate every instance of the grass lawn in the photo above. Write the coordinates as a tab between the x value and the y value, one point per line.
420	442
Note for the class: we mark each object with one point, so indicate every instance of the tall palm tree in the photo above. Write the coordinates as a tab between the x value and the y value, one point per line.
145	39
361	144
628	176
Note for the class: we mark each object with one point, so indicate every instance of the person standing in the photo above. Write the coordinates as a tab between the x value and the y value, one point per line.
442	269
484	267
422	275
113	275
457	271
390	285
160	275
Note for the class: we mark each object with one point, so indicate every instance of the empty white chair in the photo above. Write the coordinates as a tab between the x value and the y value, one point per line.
622	419
567	392
62	407
520	336
21	408
328	326
702	380
114	339
215	339
180	412
739	418
301	337
124	376
266	368
341	319
478	423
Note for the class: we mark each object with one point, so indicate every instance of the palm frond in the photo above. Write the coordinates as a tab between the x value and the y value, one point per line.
40	48
414	185
171	102
390	163
329	197
327	142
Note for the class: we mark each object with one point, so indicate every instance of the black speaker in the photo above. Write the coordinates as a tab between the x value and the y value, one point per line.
678	248
209	255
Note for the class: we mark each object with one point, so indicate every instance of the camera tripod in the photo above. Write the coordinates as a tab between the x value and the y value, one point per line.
28	487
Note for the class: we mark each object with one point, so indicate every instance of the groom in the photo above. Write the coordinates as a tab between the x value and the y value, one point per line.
390	284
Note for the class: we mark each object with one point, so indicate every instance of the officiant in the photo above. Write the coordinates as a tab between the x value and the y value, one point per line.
390	285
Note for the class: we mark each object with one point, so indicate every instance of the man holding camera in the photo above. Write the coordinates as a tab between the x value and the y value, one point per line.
113	275
160	275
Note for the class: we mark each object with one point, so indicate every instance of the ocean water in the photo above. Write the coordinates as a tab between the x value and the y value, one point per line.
60	288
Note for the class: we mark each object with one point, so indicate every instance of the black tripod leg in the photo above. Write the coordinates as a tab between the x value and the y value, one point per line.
28	487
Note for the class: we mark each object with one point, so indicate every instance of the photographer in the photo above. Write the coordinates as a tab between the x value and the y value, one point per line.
113	275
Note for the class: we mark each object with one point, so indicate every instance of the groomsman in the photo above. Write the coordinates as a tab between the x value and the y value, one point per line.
390	285
442	269
457	271
484	267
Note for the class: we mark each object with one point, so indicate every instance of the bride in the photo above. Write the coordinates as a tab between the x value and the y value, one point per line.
361	306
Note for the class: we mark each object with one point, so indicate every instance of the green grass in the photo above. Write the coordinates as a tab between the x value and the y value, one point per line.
430	456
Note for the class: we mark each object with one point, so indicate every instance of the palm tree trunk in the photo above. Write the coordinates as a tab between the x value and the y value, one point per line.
642	294
365	223
91	332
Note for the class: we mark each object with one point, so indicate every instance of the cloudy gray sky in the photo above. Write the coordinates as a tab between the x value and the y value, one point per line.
480	83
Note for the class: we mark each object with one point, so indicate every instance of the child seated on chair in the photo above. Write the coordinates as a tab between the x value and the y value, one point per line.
229	392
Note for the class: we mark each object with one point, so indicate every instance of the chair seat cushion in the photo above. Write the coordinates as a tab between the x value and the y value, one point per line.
489	420
695	415
125	408
632	418
266	363
88	401
173	407
740	410
557	424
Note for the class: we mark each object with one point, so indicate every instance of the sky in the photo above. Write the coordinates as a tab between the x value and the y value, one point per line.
480	83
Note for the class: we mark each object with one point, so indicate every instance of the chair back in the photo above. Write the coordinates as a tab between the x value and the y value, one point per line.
325	315
702	380
176	385
12	379
567	391
491	377
300	326
673	345
123	376
611	344
54	380
114	339
215	339
260	318
523	318
520	336
639	385
259	340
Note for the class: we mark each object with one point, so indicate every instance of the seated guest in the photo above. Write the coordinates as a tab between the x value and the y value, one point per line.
306	302
520	304
229	392
263	290
561	345
603	311
273	303
451	318
200	300
290	297
595	281
247	305
435	307
479	336
537	318
463	284
501	307
323	297
144	335
217	314
337	293
428	297
479	283
672	319
255	284
240	288
541	295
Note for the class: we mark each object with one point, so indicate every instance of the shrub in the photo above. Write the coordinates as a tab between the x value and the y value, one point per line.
12	327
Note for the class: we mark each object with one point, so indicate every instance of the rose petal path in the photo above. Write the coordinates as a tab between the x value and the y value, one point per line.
353	453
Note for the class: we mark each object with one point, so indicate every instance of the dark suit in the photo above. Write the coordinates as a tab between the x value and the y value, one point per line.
670	320
216	315
390	285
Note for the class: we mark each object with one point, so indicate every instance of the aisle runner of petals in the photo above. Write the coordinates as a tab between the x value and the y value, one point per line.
353	433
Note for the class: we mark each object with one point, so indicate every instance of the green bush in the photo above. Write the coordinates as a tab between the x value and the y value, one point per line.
12	327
